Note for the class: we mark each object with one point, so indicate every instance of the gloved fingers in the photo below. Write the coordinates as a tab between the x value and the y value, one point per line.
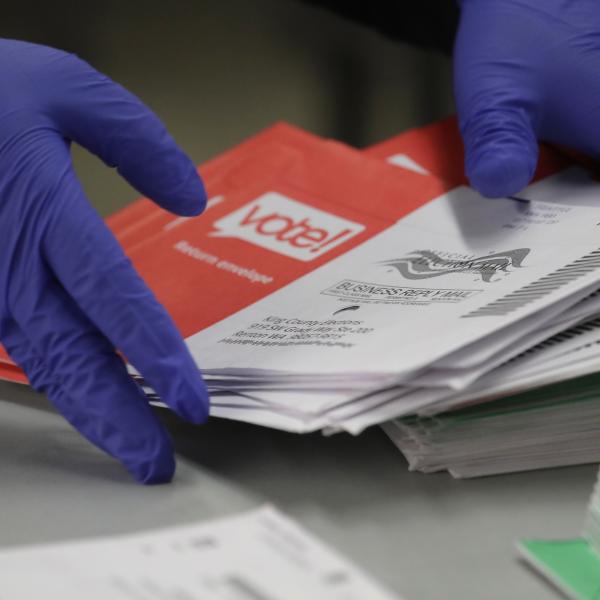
69	360
497	99
90	264
571	114
111	122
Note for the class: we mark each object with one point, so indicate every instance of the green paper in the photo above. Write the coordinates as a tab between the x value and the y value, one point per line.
571	565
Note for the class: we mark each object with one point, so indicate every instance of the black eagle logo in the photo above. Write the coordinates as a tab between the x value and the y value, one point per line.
424	264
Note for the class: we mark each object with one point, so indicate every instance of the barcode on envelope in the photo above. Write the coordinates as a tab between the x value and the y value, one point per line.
559	338
540	288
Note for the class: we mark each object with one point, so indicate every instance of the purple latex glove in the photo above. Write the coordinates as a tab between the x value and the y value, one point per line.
525	70
68	294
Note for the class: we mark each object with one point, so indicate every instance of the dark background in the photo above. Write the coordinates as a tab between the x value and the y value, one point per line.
217	72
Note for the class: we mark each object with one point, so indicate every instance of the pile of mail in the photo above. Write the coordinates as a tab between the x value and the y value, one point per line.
548	426
327	288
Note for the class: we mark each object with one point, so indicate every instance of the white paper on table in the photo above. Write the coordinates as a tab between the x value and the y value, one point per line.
257	555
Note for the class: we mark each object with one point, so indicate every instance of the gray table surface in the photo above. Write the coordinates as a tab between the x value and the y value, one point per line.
425	536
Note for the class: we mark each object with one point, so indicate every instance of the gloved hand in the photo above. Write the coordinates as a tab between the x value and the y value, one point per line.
68	295
525	70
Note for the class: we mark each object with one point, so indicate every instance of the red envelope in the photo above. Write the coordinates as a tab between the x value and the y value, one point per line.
286	212
142	219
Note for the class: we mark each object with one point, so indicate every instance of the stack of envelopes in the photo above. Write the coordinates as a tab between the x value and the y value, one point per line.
331	288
